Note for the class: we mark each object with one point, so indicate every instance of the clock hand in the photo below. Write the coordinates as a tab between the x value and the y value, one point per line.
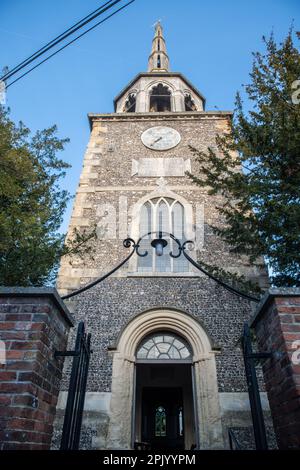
159	138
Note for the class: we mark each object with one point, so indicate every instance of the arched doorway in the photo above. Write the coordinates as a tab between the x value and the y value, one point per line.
164	405
123	429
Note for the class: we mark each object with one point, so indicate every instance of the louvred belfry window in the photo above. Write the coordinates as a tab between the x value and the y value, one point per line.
130	103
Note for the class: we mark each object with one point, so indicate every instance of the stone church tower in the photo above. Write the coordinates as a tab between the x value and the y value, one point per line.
167	368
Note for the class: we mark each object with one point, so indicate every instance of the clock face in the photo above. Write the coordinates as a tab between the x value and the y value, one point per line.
160	138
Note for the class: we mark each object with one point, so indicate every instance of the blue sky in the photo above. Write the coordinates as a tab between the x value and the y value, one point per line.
208	41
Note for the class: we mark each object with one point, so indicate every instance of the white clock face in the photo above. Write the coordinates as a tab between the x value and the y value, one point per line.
160	138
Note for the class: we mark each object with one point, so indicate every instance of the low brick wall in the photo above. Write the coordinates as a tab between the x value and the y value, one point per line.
33	324
277	326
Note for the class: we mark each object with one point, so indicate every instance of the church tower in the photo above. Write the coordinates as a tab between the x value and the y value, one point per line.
167	368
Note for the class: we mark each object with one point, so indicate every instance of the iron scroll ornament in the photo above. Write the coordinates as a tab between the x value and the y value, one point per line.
127	243
181	247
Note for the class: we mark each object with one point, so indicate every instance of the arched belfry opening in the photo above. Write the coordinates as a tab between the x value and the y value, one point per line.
189	103
130	103
160	99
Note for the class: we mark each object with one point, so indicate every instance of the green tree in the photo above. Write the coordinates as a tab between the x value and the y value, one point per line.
256	167
32	205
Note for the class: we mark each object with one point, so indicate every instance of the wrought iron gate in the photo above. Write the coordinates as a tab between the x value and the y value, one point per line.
77	387
250	360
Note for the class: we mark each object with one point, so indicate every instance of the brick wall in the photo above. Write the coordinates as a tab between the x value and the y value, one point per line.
277	325
33	324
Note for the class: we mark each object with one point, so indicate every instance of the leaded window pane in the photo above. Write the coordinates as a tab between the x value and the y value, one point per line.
149	344
174	353
184	353
158	339
163	263
145	262
180	264
163	347
177	344
153	353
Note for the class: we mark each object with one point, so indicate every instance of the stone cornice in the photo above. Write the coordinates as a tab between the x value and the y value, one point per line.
165	116
87	188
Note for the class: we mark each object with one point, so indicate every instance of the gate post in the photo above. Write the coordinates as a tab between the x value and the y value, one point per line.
34	323
277	327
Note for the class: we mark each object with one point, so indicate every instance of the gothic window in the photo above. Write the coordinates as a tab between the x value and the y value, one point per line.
160	98
130	103
158	61
160	422
158	45
165	215
164	346
189	103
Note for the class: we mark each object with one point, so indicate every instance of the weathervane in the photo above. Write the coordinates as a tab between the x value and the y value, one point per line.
156	23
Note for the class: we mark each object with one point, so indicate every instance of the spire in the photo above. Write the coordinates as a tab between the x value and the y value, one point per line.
158	59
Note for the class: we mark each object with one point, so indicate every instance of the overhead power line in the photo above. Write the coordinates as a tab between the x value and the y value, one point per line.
63	36
59	38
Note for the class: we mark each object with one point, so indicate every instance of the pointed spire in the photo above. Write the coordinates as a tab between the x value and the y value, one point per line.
158	59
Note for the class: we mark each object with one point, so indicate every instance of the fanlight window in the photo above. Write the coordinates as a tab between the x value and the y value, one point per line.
160	96
165	215
164	346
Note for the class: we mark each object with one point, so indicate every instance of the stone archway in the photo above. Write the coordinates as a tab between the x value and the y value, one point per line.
206	389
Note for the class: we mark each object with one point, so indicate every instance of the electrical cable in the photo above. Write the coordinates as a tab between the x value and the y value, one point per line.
66	45
25	62
60	38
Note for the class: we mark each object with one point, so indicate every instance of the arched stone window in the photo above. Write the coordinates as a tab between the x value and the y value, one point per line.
160	98
189	103
160	422
130	103
165	215
164	346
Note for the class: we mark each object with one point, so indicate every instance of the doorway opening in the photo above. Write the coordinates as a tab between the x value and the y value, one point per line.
164	398
129	378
